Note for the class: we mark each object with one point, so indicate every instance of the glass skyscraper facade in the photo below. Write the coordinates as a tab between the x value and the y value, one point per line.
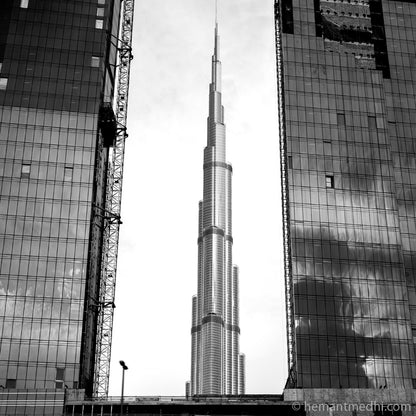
347	108
57	71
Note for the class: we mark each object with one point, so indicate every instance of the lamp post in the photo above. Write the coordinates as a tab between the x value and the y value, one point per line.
123	364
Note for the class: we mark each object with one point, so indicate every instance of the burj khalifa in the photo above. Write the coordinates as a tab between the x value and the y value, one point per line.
217	366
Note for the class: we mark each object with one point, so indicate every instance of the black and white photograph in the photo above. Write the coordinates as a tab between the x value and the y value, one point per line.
207	207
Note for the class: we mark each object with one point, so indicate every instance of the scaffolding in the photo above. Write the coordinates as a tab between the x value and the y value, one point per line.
111	214
279	8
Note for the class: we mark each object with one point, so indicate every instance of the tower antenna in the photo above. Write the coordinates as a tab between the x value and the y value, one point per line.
216	12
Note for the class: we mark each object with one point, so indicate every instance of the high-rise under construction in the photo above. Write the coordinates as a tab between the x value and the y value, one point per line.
63	106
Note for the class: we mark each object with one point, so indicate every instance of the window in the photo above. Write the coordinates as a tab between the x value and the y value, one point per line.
372	125
95	61
24	4
341	119
68	170
1	64
60	376
3	83
11	383
60	373
100	12
99	24
290	162
380	123
327	147
25	173
329	181
101	1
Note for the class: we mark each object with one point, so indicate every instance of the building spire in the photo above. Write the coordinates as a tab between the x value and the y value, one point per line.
216	43
216	64
216	40
216	12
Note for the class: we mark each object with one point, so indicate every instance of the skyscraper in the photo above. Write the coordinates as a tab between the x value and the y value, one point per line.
58	142
347	111
217	367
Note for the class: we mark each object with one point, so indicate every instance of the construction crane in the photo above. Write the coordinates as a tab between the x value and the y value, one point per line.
112	207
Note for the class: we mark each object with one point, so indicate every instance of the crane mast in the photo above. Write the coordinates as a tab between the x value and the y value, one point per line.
112	207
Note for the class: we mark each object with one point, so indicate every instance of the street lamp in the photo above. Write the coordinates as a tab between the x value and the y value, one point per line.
123	364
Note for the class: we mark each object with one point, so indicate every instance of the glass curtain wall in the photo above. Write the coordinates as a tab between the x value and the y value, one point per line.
56	69
348	115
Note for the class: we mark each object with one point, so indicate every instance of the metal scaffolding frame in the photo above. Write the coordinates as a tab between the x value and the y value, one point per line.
287	256
112	208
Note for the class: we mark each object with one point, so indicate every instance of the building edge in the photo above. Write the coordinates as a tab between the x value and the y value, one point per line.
289	298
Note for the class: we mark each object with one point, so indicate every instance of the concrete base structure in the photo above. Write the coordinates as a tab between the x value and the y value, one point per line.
353	402
25	402
294	402
261	405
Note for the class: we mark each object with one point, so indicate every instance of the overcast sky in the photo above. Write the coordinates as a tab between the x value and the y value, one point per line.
157	268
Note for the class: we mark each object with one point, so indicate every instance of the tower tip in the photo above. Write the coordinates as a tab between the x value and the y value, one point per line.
216	39
216	14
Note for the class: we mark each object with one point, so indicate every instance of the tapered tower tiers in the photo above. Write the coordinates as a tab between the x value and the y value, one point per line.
217	366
